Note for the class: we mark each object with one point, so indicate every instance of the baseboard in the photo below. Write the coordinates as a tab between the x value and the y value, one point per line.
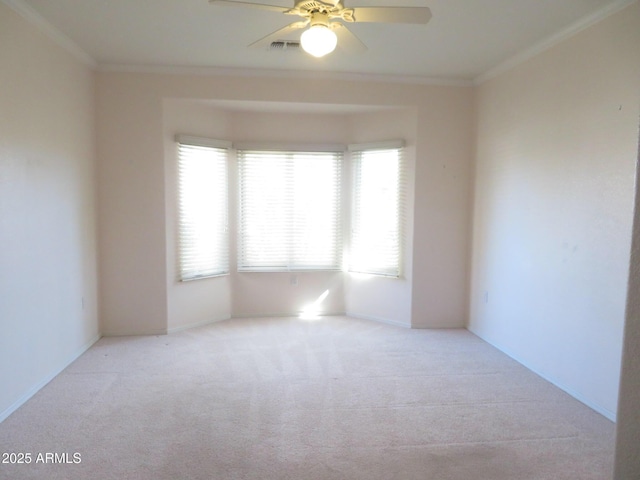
287	315
605	412
133	333
122	333
371	318
38	386
196	325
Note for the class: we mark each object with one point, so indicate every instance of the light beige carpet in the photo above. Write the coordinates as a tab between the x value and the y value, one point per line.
337	398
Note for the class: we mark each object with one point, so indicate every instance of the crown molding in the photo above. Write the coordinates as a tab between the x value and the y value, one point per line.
553	40
296	74
37	20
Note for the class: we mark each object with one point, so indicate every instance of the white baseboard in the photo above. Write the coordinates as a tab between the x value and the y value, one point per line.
605	412
133	333
53	374
287	315
127	333
387	321
196	325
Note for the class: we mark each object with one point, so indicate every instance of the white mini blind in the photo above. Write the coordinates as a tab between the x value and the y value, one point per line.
203	211
377	211
289	211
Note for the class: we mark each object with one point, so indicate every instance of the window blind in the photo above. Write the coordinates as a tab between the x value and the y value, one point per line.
377	211
289	210
203	211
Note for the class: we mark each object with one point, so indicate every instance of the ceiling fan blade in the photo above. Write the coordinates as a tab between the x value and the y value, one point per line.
262	6
278	34
392	14
347	40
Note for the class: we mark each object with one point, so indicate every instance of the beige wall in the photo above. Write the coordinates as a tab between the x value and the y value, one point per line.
48	292
137	292
627	461
555	162
442	215
131	202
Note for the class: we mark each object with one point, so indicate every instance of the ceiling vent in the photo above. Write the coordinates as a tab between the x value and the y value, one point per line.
285	45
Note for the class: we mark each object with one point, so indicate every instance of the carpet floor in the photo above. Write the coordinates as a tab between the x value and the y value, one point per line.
283	398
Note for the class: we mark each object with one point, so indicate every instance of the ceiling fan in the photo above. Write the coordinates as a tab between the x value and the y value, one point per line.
325	21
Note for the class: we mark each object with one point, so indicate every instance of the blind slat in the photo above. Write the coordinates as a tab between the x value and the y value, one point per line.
377	212
203	211
290	216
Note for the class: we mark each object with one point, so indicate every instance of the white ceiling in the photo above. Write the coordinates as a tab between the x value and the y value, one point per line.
464	40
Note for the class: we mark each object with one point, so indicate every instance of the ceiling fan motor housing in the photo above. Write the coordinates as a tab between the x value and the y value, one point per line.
319	18
309	8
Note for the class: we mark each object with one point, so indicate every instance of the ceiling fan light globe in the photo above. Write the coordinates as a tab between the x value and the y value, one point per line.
318	40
